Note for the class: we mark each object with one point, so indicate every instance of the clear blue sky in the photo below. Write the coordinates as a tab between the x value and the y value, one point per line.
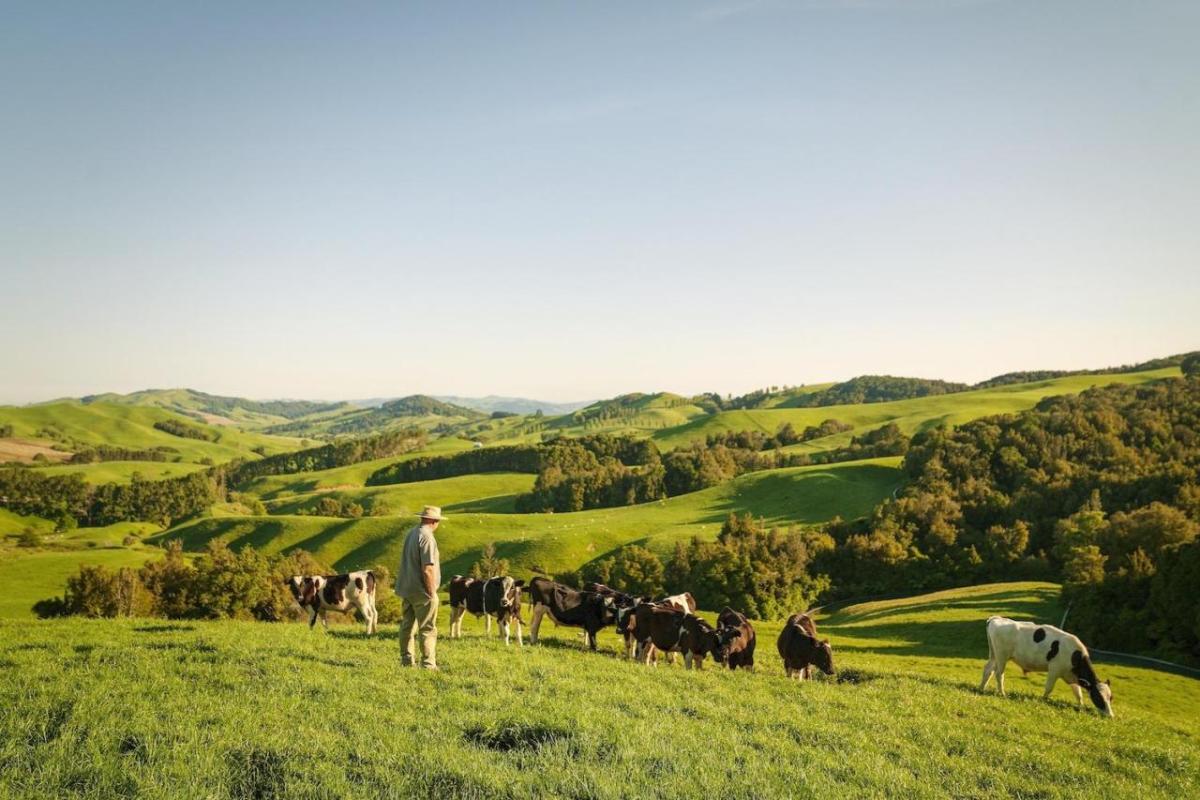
572	200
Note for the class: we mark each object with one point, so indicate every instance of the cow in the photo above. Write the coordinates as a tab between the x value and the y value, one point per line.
735	640
656	626
318	594
1044	648
566	606
498	597
800	648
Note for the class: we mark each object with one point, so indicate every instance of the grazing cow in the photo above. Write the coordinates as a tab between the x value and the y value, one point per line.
321	593
655	626
1044	648
566	606
800	648
735	640
498	597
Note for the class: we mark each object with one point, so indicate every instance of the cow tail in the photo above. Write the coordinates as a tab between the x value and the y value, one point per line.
371	583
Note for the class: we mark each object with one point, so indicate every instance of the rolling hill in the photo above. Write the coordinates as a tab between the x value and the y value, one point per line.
557	542
71	424
219	410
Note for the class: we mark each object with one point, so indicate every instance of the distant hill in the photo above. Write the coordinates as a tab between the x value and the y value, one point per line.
237	409
514	405
418	410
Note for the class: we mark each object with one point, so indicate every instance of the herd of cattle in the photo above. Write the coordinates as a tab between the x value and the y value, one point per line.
669	625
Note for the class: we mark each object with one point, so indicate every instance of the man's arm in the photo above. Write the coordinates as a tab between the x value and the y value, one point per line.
427	577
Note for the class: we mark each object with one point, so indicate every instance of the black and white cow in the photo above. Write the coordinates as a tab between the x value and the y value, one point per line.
319	594
498	597
1044	648
566	606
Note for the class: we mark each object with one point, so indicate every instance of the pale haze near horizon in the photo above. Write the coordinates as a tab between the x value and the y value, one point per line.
570	201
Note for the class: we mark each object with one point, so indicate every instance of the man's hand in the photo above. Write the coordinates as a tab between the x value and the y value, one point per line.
427	576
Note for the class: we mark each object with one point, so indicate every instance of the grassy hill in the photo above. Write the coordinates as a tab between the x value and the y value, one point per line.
70	423
219	410
123	471
911	415
493	492
266	710
804	495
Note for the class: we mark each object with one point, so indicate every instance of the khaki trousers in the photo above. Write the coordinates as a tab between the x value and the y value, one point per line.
419	615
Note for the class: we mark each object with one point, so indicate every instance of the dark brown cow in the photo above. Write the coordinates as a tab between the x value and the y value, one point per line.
498	597
570	607
735	640
318	594
655	627
800	648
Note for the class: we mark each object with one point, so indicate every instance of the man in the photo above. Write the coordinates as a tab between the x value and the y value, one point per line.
417	583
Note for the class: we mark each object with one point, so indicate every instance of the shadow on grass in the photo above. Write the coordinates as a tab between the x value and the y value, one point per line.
166	628
1028	603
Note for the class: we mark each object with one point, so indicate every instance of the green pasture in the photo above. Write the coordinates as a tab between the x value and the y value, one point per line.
486	492
31	575
803	496
910	415
123	471
187	709
276	487
133	426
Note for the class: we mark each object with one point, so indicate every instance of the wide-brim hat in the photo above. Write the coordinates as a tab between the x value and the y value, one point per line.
432	512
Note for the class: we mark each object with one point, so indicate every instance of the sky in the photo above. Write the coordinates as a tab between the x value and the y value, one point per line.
574	200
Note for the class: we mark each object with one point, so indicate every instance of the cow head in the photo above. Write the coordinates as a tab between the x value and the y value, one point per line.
823	657
727	638
1101	695
512	593
303	587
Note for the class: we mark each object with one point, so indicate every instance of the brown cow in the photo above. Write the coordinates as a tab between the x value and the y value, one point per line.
735	640
800	648
654	627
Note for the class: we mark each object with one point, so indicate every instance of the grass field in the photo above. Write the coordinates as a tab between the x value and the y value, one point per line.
804	495
910	415
123	471
159	709
133	427
29	576
488	492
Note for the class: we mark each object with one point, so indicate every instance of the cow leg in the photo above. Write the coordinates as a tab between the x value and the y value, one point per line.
520	643
1078	690
1051	679
687	659
671	657
591	640
325	619
535	624
988	669
312	620
999	671
504	625
455	621
487	624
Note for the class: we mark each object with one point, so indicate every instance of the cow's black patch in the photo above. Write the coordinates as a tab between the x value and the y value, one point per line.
1053	651
1039	634
358	584
334	592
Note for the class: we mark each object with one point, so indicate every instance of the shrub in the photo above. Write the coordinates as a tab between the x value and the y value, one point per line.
29	538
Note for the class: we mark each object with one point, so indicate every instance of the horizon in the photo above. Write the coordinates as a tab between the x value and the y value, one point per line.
293	200
385	397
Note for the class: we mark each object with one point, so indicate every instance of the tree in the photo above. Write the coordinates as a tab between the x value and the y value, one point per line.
633	570
1084	565
1190	366
489	566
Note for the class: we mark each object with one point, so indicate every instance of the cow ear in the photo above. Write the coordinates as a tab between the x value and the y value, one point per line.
1108	683
518	583
1085	683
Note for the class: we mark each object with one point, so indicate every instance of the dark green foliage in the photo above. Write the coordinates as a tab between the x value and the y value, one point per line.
337	454
29	538
595	472
633	570
763	573
1029	376
1099	489
90	454
1190	365
6	431
514	458
183	430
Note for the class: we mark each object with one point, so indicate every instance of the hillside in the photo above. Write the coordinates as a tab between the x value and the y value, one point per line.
804	496
513	405
219	410
420	411
910	415
901	719
70	425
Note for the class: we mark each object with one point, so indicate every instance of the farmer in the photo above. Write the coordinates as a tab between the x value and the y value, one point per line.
417	583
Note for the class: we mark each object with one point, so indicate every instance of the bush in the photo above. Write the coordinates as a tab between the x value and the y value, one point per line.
488	566
29	538
633	570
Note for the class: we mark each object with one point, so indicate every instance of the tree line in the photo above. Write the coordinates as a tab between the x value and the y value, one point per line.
185	431
336	454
